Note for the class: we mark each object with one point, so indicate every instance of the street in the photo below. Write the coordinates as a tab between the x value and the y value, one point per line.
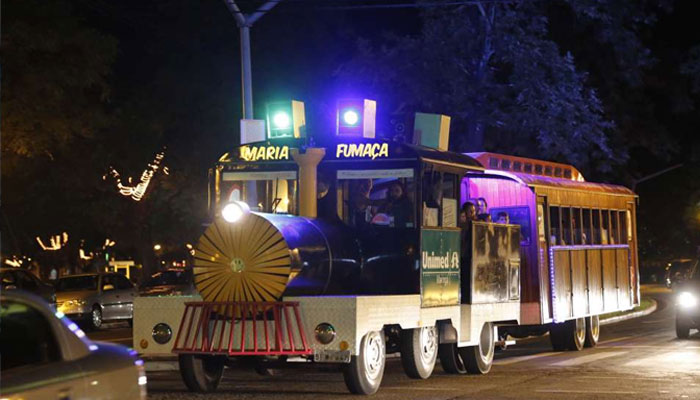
636	359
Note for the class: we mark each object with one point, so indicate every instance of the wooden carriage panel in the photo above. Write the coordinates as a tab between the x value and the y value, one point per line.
623	278
579	282
562	286
595	281
609	279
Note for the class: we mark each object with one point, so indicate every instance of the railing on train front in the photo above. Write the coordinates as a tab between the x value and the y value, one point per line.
240	328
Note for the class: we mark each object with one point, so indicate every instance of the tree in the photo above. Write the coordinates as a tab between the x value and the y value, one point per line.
509	86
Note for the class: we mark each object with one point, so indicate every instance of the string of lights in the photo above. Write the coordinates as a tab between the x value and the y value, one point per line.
137	191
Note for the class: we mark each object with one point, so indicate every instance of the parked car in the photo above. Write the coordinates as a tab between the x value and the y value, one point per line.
679	271
95	298
688	304
43	355
16	278
171	282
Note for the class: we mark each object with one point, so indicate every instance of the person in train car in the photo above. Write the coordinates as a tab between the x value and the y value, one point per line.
502	218
482	210
325	205
360	203
398	205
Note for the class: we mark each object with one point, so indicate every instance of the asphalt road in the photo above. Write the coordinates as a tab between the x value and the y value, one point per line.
636	359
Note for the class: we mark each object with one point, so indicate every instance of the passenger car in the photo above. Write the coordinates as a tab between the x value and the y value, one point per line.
94	298
170	282
16	278
688	304
43	355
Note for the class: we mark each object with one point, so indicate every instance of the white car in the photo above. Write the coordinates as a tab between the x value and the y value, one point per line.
44	355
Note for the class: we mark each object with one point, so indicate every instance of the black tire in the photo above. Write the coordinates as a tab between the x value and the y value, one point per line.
201	373
682	328
365	372
569	335
451	359
95	319
592	331
419	350
478	359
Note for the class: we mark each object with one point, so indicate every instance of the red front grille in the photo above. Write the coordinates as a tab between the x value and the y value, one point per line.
241	328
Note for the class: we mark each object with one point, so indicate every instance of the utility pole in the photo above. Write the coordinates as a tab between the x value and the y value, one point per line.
245	22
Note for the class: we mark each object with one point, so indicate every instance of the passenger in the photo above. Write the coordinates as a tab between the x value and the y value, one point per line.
467	214
398	205
360	203
325	206
482	210
503	218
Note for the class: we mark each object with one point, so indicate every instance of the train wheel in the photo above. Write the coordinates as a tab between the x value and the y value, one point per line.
364	373
592	331
682	328
569	335
419	350
451	359
478	359
201	373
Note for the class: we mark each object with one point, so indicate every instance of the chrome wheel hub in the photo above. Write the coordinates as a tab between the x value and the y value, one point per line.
428	344
374	355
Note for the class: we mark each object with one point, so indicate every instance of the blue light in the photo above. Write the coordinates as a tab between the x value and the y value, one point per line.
351	117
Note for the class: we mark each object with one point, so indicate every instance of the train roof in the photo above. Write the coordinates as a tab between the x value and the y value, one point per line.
563	183
529	166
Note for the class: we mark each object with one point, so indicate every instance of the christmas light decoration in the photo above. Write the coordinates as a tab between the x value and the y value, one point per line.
136	192
56	242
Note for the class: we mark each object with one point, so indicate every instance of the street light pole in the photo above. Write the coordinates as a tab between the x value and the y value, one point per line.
245	22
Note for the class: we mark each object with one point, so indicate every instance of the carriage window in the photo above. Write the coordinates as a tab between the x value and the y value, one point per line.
554	226
567	173
586	223
548	171
557	172
628	220
274	191
614	228
538	169
517	216
505	164
577	227
527	168
605	227
377	197
493	162
596	227
623	227
566	226
517	166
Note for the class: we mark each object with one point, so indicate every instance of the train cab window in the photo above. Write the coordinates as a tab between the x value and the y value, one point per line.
596	236
377	198
586	224
440	194
272	192
527	168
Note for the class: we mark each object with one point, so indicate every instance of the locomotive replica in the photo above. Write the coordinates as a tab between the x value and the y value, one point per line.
356	247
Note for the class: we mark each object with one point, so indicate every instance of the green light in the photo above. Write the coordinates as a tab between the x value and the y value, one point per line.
281	120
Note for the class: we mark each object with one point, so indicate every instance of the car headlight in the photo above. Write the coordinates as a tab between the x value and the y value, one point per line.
324	333
687	300
162	333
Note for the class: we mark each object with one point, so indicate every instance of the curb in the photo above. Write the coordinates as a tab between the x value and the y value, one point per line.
636	314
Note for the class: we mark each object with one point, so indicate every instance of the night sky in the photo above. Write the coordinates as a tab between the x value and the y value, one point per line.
182	57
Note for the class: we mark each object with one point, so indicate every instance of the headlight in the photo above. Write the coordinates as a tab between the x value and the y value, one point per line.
325	333
687	300
76	302
162	333
234	211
